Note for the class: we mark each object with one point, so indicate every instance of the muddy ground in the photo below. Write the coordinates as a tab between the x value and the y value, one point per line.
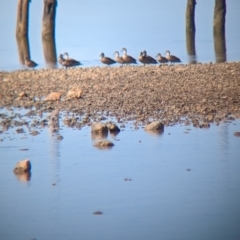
197	94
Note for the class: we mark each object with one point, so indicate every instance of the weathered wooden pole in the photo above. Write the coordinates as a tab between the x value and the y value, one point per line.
190	30
219	30
22	30
48	32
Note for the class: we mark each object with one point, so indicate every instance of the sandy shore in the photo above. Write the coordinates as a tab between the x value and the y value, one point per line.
190	94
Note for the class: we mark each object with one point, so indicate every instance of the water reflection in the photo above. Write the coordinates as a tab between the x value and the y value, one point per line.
99	135
155	132
54	152
190	42
24	177
223	132
113	134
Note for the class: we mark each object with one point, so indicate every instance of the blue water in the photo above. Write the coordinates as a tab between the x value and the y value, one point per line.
185	185
85	29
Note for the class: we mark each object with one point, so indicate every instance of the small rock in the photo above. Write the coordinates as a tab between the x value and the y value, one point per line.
209	118
74	93
155	125
22	94
204	125
237	134
22	166
113	127
127	179
54	96
59	137
104	144
34	133
98	213
99	128
19	130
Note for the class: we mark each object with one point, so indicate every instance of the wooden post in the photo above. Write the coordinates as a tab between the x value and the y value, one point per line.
48	32
219	30
190	30
219	16
22	30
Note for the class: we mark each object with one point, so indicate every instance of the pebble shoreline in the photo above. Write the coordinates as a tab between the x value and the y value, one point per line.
197	94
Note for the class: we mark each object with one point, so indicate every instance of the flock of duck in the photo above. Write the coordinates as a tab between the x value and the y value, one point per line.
67	62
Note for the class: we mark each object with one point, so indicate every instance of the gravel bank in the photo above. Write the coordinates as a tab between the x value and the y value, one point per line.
191	94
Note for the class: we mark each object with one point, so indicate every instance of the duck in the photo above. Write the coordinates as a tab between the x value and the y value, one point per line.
29	63
64	62
70	61
118	58
128	59
172	58
161	59
106	60
61	59
150	59
143	59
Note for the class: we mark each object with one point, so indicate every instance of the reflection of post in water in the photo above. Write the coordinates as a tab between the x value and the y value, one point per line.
190	30
48	32
22	30
219	30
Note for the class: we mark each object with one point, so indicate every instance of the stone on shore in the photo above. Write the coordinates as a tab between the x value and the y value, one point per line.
22	94
104	144
34	133
22	167
74	93
155	126
237	134
99	128
54	96
113	127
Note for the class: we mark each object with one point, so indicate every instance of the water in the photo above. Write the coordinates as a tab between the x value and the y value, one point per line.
185	185
85	29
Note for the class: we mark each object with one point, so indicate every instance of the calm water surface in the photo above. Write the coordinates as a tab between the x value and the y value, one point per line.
164	200
86	28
